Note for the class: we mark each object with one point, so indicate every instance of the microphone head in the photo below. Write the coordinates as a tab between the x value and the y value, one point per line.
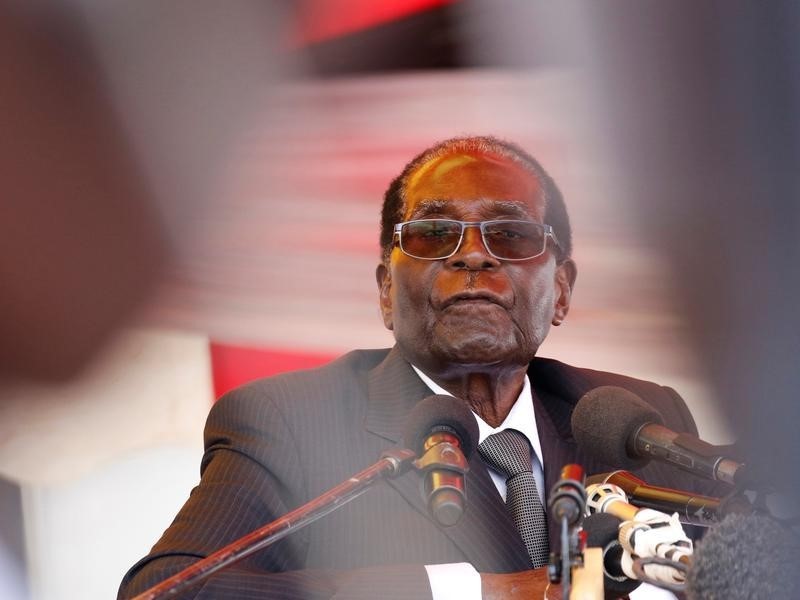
602	531
745	557
605	420
441	413
600	495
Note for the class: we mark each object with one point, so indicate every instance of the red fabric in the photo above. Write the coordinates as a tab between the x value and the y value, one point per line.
232	366
320	20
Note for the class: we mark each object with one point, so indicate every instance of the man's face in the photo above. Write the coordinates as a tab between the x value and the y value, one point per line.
472	309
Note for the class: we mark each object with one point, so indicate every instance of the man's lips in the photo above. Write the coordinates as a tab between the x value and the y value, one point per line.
475	297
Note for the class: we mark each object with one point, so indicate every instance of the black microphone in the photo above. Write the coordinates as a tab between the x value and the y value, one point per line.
602	531
745	557
568	496
619	428
443	432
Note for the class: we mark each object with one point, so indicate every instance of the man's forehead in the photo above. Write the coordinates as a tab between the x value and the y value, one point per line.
456	206
475	184
440	166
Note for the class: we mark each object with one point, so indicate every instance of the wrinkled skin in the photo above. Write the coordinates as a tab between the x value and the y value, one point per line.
473	322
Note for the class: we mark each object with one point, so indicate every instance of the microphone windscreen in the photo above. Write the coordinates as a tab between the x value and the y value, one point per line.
602	530
603	421
745	557
441	413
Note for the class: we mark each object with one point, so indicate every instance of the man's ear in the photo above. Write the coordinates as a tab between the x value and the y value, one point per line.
384	279
566	272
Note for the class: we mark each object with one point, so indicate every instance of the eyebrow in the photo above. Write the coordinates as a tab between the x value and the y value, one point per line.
434	205
428	206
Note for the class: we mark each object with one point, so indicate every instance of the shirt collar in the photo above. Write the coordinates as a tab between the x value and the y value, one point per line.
521	417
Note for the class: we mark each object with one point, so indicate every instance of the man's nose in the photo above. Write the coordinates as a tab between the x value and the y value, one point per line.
472	253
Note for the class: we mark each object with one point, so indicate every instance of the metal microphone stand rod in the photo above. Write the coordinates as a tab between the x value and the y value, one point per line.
391	464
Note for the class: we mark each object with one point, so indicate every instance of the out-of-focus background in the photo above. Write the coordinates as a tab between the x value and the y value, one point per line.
193	201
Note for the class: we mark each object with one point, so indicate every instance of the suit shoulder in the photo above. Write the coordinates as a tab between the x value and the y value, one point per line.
573	382
580	380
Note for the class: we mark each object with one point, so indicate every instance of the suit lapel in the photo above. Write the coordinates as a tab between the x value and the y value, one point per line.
558	447
555	393
485	534
393	389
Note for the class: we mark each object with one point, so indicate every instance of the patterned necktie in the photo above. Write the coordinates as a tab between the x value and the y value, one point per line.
509	453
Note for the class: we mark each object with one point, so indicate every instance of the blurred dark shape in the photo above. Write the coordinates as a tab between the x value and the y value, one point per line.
80	245
14	583
434	34
602	531
426	39
703	116
744	558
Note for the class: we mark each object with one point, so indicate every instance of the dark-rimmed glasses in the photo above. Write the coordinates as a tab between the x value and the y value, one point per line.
435	239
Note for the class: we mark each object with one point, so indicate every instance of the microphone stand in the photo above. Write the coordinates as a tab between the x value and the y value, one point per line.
392	463
577	568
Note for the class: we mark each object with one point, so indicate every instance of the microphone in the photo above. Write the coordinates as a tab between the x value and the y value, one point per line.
744	557
645	533
692	508
602	531
568	496
611	499
443	432
619	428
567	504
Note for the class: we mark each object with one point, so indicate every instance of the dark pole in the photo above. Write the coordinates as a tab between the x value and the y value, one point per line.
391	464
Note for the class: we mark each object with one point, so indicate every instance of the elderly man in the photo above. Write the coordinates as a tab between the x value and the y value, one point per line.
476	267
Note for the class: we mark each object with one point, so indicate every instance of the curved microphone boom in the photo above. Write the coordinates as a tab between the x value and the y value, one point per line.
443	432
622	430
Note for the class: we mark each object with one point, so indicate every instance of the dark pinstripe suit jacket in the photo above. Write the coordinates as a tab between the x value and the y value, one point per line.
278	442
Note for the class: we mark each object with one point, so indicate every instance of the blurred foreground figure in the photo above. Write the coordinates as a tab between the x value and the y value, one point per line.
476	267
79	241
106	153
702	106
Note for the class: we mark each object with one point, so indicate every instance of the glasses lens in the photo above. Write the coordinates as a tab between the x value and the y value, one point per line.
514	240
432	238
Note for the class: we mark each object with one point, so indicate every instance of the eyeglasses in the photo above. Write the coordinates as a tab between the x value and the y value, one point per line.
434	239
